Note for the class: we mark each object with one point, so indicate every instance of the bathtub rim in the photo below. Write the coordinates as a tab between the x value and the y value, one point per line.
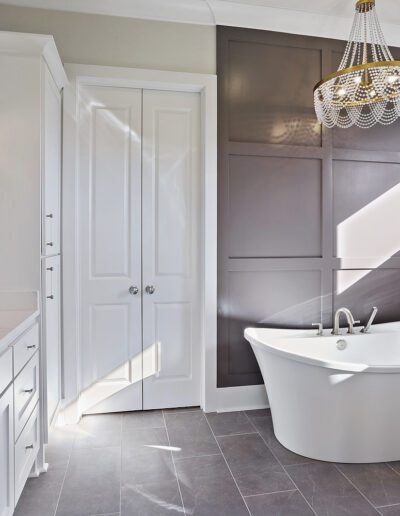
348	367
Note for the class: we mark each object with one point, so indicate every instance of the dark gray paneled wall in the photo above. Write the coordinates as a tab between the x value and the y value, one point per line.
309	218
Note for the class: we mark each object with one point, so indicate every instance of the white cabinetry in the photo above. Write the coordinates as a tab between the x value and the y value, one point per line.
32	79
20	437
26	388
51	166
26	450
52	334
30	180
7	453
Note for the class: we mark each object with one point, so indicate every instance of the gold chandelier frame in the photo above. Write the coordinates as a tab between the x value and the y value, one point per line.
340	97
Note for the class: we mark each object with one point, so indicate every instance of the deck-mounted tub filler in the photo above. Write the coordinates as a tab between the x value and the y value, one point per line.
333	397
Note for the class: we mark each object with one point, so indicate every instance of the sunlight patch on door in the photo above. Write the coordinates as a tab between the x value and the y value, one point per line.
122	377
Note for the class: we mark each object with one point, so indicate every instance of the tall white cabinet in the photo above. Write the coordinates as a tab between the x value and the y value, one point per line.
32	80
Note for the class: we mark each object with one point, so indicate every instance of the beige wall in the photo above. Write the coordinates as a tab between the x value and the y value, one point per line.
115	41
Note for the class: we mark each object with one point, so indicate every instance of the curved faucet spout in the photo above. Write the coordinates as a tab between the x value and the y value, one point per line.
349	317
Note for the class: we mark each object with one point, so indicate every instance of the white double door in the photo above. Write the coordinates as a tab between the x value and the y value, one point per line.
139	186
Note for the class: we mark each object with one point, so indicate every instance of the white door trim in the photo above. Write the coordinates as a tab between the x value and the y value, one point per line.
212	398
206	85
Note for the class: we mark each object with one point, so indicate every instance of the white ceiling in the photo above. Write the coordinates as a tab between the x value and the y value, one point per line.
327	18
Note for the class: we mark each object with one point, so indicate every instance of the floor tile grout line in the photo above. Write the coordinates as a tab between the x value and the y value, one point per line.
65	476
389	505
392	468
227	465
173	463
169	411
283	467
180	459
271	493
235	435
355	487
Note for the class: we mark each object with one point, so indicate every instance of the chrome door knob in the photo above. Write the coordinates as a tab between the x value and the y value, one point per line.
150	289
133	290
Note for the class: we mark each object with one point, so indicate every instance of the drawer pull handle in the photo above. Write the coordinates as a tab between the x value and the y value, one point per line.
32	346
49	268
50	297
28	391
49	216
30	447
50	244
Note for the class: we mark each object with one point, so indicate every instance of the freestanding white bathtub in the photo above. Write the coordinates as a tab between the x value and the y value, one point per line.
330	403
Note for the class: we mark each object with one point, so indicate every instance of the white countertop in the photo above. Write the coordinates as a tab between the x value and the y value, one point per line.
18	311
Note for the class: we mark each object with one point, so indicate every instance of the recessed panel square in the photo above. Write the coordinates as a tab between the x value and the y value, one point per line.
274	207
270	94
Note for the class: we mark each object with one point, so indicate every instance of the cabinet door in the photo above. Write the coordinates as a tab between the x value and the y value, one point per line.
51	166
6	453
52	333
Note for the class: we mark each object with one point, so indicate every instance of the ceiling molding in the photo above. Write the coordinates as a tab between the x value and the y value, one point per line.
330	18
35	45
181	11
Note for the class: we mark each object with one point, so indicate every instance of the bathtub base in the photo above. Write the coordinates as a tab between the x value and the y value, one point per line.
330	415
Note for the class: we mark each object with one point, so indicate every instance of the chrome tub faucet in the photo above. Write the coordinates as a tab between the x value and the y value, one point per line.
350	320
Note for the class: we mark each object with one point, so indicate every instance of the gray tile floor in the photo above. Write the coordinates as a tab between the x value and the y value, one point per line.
184	462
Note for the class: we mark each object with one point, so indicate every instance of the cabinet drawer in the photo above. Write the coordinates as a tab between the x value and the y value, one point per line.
26	393
26	450
25	347
5	369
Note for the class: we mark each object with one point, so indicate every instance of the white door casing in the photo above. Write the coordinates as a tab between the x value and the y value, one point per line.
170	249
110	242
82	76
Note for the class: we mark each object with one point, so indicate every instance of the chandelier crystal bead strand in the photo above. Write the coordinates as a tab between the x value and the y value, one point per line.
366	88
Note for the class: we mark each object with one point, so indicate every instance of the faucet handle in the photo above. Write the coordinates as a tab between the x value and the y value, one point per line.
320	328
351	329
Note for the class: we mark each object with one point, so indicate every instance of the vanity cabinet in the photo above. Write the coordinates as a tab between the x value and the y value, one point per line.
20	416
6	452
26	450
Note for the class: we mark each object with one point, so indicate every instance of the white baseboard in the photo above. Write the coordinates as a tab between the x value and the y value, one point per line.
250	397
226	399
69	414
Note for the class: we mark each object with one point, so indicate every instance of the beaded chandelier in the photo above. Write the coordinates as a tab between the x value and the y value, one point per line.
366	88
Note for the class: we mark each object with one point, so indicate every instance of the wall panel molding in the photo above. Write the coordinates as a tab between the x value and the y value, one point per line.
277	260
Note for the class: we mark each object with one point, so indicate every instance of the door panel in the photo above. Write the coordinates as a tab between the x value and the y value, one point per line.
110	209
52	166
52	326
170	249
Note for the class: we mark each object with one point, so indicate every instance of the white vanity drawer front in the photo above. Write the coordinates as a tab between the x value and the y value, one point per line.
25	347
5	369
26	393
26	450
